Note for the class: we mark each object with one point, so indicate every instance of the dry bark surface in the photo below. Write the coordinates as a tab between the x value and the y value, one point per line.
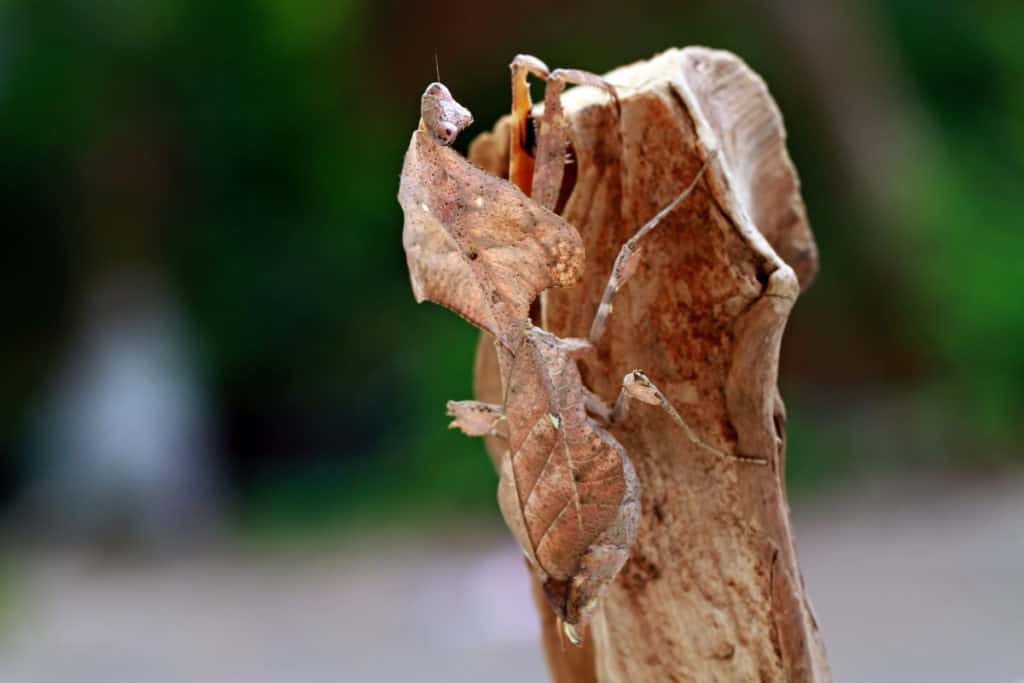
712	590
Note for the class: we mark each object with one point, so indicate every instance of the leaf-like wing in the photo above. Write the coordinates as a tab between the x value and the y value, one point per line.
568	490
476	244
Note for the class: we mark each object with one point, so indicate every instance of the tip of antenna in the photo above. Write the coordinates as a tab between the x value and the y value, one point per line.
437	67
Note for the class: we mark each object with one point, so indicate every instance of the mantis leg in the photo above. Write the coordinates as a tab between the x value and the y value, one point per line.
629	258
524	139
596	407
553	141
536	162
637	385
476	418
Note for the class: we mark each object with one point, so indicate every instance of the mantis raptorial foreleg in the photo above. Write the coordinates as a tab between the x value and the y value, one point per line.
629	258
523	142
539	171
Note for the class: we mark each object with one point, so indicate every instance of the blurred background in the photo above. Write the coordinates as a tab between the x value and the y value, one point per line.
223	453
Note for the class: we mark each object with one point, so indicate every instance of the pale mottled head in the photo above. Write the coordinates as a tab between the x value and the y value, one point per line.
443	117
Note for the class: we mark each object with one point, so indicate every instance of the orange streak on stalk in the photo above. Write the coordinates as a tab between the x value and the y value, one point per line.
520	170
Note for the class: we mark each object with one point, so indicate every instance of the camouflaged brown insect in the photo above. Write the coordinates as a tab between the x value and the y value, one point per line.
486	247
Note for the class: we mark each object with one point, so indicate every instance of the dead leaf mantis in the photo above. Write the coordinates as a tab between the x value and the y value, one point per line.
486	248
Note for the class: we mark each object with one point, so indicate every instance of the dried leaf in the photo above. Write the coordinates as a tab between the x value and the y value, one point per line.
568	491
476	244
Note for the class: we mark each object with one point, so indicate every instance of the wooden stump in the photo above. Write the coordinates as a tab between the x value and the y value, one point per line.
712	590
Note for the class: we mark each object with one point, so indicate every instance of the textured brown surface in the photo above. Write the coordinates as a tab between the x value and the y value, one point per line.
476	244
712	590
568	491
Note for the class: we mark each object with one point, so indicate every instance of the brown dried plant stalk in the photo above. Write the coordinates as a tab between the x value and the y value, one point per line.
658	537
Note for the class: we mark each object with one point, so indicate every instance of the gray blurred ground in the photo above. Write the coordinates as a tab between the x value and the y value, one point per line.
915	582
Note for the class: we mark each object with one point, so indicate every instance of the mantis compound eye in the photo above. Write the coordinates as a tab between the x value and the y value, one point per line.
443	117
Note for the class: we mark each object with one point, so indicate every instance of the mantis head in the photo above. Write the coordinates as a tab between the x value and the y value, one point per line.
442	116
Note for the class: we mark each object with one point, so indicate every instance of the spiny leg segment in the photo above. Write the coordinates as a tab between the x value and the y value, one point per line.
521	160
541	176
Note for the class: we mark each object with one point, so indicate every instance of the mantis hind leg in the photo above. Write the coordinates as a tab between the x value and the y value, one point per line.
636	385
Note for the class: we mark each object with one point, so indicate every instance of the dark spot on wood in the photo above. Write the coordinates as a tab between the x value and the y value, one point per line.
659	514
729	430
535	312
638	572
780	425
724	651
473	256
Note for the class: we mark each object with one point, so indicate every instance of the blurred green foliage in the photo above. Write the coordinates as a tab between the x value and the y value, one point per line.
250	151
967	206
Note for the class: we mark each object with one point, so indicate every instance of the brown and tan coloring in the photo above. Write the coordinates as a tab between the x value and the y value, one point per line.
690	146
